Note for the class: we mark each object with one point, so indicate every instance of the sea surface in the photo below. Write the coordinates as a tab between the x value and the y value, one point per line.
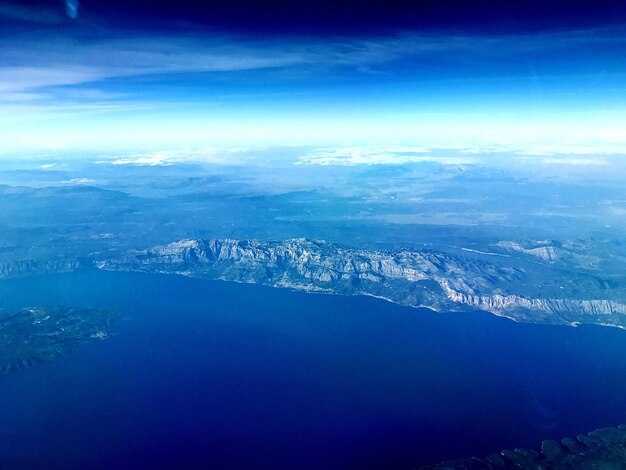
213	374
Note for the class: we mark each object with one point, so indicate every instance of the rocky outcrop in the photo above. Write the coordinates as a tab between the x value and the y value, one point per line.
436	280
600	449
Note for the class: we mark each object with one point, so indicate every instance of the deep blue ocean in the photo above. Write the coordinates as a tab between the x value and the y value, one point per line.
204	374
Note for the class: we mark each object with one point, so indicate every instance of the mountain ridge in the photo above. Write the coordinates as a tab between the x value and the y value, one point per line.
419	278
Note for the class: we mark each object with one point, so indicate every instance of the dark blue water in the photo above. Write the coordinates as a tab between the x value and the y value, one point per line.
224	375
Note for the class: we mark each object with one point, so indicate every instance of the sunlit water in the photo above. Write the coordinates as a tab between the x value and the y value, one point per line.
205	373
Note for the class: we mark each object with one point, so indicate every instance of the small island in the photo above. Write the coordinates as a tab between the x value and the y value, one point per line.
37	334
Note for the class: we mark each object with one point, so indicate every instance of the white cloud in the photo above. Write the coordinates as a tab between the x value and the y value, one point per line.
78	181
170	157
576	161
394	155
140	161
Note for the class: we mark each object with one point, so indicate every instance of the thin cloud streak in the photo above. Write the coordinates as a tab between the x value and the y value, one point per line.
29	64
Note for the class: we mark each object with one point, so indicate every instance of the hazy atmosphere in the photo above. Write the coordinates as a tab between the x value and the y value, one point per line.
120	75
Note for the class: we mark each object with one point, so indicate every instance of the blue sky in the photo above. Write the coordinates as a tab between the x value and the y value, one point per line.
74	79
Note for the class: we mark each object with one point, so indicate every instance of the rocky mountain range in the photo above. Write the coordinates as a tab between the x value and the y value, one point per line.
529	292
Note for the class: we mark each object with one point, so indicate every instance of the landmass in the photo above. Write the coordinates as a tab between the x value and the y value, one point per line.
35	334
542	283
600	449
527	292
